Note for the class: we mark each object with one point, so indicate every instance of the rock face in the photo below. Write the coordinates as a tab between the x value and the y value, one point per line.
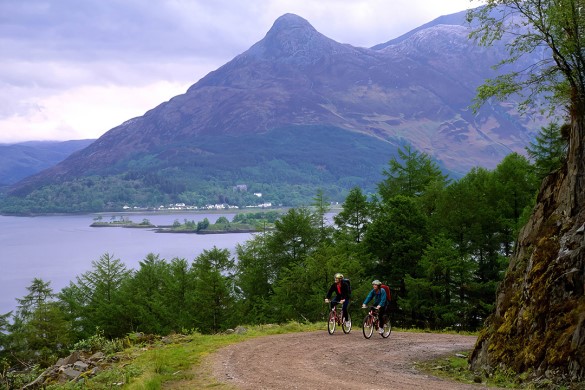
539	322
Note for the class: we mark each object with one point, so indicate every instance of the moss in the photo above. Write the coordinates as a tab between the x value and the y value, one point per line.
518	338
509	321
563	324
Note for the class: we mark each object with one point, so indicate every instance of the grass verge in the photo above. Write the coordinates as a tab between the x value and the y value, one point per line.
456	368
175	361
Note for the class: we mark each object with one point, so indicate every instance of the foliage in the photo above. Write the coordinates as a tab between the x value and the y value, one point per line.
396	238
514	186
548	151
202	225
455	367
253	280
295	237
528	26
222	221
555	29
98	342
145	297
259	217
212	290
321	207
442	258
440	295
242	222
310	158
411	176
18	379
352	221
95	299
39	332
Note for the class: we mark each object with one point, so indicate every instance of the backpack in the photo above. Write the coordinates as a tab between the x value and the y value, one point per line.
346	281
388	295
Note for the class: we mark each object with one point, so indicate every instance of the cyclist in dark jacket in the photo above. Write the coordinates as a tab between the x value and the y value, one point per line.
379	295
341	290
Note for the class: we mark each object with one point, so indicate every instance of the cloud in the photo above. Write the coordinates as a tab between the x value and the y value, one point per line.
73	69
76	113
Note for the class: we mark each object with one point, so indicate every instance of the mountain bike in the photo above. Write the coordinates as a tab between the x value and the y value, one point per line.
335	318
371	322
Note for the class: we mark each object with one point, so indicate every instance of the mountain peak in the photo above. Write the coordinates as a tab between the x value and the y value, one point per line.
290	21
293	39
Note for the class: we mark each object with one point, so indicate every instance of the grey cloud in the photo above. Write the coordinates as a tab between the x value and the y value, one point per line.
64	43
96	29
50	75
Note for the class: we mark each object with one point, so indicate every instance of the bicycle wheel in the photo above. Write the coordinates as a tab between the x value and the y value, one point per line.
368	326
346	328
387	327
332	322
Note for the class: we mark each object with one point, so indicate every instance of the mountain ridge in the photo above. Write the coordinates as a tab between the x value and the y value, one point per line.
416	91
22	159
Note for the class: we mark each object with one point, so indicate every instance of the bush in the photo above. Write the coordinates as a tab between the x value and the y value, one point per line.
98	342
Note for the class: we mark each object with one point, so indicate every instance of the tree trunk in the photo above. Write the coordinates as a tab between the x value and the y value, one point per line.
538	325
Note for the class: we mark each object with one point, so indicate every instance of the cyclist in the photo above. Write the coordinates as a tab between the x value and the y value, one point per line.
379	295
341	289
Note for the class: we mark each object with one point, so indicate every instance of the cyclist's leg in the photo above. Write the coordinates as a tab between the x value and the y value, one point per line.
344	309
381	313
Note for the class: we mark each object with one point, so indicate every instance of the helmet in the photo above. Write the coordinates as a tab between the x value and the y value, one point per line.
338	276
376	282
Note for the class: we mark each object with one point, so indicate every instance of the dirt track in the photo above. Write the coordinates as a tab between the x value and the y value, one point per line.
317	360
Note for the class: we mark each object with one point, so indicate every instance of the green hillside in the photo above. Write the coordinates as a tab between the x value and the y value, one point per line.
287	166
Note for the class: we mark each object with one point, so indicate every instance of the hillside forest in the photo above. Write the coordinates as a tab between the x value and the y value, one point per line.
442	246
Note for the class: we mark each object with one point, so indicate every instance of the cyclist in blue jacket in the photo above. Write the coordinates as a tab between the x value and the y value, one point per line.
341	290
378	294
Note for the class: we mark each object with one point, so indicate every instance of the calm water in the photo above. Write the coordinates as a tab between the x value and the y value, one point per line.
59	248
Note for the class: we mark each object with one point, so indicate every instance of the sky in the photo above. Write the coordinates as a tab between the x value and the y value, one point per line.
72	69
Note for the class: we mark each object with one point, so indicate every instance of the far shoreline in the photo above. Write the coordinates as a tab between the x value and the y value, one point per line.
334	209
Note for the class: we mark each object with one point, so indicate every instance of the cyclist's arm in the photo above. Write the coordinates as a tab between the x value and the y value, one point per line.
368	298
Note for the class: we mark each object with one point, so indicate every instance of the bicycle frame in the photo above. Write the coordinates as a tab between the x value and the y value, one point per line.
371	322
335	318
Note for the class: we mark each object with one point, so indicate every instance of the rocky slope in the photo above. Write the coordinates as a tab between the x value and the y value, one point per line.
539	322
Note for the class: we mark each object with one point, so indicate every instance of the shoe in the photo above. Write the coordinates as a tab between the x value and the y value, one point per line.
347	324
381	330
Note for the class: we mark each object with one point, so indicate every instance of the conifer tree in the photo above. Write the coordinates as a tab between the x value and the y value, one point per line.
179	284
321	207
548	151
94	299
143	297
353	219
213	290
440	296
410	175
39	332
254	278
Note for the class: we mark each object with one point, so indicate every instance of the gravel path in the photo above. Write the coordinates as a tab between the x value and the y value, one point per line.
317	360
